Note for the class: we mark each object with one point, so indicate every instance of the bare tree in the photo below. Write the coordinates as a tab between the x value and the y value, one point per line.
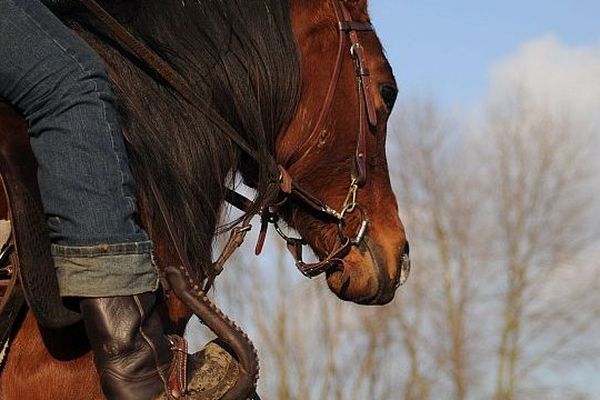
437	193
503	291
498	221
540	195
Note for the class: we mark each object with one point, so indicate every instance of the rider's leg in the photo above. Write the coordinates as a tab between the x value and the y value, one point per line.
100	252
87	189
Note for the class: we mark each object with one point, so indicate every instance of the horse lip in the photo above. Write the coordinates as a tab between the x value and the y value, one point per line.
344	282
384	295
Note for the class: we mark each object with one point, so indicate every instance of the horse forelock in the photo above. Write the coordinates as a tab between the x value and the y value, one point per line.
241	56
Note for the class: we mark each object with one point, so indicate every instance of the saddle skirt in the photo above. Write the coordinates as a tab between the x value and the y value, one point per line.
29	250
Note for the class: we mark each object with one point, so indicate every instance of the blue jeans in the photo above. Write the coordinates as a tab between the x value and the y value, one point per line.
62	88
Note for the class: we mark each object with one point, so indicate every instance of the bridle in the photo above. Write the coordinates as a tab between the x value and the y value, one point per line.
282	187
348	40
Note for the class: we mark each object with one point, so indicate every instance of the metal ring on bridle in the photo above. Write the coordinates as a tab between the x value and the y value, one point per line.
353	49
280	232
284	236
364	223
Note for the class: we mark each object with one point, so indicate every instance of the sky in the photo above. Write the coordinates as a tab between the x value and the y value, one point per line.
463	53
448	48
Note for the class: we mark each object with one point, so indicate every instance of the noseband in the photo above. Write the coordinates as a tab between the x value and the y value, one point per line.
283	187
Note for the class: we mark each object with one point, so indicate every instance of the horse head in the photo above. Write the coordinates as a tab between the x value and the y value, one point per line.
320	150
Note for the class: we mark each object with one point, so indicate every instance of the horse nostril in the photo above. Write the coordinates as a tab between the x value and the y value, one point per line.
406	248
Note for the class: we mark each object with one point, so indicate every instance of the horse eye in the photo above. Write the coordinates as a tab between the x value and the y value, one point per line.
389	94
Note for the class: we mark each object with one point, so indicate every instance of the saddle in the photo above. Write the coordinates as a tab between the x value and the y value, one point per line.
27	271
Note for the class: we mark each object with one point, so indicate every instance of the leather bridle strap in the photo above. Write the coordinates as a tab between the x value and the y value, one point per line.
167	74
363	79
347	29
310	142
330	263
358	54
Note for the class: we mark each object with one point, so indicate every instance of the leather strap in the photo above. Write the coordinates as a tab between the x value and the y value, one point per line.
156	64
311	141
239	201
347	28
358	53
348	25
177	382
193	297
331	262
236	239
365	99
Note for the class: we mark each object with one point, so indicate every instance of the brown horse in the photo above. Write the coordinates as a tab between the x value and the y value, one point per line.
57	364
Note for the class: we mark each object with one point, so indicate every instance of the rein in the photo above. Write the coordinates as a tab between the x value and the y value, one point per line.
281	186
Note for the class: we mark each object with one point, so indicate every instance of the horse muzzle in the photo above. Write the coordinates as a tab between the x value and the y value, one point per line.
369	275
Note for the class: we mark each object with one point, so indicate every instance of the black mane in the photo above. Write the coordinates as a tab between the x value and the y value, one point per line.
240	55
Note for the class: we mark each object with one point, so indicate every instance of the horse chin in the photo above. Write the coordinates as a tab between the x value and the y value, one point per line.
361	280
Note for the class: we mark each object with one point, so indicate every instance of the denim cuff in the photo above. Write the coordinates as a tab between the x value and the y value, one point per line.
105	270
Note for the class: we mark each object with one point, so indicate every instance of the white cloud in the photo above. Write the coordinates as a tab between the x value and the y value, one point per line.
554	75
559	78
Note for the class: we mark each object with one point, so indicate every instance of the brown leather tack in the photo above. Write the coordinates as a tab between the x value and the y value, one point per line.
177	382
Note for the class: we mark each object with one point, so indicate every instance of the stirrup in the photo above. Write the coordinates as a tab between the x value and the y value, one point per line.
206	375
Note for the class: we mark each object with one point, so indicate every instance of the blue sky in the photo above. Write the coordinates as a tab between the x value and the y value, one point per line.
445	48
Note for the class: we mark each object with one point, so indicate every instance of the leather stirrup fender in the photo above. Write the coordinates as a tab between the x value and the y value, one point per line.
29	229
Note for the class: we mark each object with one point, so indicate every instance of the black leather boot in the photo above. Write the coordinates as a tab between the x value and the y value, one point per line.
132	355
136	361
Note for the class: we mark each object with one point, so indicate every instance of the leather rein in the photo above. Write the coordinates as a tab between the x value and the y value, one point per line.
281	186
